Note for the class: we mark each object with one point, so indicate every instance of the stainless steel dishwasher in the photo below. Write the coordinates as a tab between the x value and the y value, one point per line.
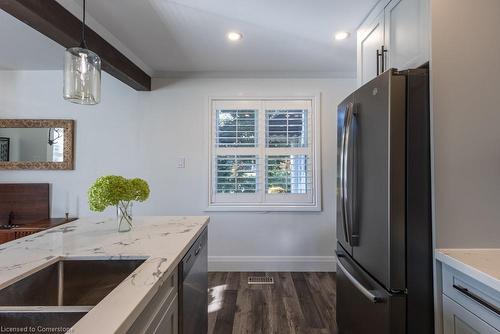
193	288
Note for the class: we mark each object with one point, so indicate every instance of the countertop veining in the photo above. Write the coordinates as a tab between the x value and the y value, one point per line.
162	241
481	264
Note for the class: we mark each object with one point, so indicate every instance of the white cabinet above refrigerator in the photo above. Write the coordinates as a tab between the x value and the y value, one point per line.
395	34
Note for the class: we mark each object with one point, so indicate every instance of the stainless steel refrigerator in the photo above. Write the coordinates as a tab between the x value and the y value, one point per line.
384	243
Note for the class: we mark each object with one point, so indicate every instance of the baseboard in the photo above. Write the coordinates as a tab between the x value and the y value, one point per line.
272	263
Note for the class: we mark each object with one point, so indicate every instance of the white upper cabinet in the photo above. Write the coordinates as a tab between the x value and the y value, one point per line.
370	39
406	33
399	31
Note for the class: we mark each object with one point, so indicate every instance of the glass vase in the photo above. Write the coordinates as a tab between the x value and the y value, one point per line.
124	216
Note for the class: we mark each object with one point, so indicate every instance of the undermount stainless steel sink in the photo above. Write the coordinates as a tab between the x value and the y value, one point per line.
62	293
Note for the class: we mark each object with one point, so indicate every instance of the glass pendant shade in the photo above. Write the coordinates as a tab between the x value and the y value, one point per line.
82	76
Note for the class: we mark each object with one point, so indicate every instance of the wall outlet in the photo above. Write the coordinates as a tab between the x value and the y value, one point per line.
181	162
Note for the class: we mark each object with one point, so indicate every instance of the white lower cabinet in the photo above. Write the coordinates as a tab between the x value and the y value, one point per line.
457	320
160	316
469	306
170	320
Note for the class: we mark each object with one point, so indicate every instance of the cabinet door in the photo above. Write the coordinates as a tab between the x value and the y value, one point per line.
458	320
370	39
406	33
169	322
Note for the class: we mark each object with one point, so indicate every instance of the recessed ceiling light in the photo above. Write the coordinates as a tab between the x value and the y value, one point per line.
234	36
342	35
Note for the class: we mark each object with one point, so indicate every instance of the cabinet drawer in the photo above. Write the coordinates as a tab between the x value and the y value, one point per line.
476	297
457	320
152	315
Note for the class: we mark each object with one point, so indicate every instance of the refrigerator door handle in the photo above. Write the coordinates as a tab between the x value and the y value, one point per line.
349	200
342	142
367	293
342	185
344	181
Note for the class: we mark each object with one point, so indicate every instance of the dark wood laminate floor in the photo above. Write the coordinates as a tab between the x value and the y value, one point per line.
297	303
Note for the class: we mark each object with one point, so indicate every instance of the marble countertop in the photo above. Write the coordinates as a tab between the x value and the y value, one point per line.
162	241
481	264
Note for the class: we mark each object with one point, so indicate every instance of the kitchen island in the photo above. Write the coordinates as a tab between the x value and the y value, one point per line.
160	242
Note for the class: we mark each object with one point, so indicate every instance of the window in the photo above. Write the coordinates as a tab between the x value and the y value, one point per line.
264	155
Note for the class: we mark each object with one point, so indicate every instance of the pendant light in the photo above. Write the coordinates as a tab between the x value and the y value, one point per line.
82	73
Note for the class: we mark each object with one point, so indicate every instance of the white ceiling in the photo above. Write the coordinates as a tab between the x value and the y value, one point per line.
187	37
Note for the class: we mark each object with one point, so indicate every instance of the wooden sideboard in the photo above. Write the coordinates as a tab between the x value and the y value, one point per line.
7	235
27	207
27	202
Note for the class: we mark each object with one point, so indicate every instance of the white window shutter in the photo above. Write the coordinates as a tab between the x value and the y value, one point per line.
263	155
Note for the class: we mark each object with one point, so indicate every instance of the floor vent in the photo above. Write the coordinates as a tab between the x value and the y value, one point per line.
260	280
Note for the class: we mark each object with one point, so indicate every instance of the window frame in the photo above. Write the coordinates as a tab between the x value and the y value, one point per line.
261	201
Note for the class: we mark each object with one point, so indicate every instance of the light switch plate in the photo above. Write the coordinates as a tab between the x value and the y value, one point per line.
181	162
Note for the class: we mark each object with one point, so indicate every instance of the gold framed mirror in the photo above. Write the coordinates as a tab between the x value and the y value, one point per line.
36	144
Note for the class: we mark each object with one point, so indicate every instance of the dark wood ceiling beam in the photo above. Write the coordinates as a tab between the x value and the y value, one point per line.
56	22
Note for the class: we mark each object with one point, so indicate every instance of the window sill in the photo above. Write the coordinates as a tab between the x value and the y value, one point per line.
263	208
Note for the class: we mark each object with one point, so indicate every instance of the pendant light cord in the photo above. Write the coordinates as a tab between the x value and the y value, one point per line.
83	44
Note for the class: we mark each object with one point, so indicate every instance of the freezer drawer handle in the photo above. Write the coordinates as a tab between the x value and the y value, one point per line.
367	293
478	299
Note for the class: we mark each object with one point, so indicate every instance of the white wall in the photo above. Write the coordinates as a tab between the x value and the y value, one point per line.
175	124
465	72
143	134
106	134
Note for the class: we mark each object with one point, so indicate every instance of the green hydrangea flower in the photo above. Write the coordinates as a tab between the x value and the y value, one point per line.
110	190
138	190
